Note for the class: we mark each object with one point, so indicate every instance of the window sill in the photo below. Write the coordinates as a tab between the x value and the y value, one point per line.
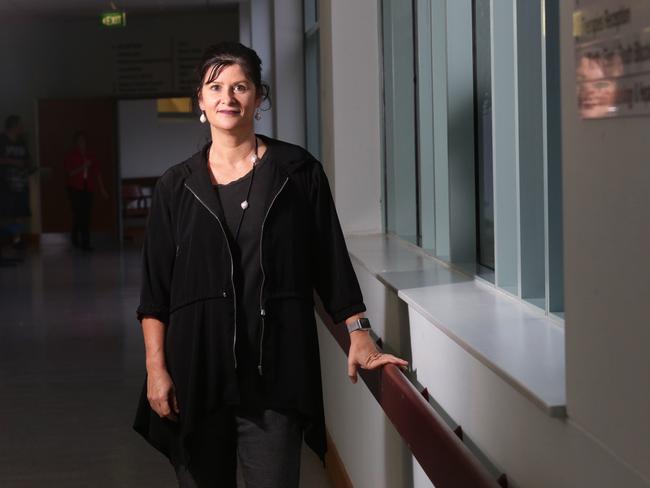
516	341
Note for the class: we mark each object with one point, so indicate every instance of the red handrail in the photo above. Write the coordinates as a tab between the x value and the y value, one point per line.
444	458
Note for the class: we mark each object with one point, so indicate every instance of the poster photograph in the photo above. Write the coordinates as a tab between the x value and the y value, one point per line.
612	48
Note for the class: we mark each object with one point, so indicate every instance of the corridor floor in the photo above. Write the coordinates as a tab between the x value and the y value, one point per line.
71	368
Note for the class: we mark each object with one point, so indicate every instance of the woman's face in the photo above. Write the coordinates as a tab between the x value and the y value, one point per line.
230	100
596	93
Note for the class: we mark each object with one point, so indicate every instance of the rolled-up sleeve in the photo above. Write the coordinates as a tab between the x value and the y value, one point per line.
336	282
158	254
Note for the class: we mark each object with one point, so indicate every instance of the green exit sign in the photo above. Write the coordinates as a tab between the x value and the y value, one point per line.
114	19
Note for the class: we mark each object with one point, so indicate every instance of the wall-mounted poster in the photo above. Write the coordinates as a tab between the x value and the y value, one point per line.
612	42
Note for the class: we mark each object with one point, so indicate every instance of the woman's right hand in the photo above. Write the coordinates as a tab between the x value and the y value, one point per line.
161	394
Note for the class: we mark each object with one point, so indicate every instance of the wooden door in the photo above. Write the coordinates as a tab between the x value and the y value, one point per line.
58	120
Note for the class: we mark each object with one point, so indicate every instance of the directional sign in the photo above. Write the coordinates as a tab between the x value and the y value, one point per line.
114	19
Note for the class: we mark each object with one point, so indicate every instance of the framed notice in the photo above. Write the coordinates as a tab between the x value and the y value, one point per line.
612	48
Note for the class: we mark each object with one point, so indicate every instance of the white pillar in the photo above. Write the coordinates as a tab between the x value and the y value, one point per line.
256	32
351	107
289	83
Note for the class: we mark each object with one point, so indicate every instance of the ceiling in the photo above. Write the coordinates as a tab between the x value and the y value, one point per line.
95	7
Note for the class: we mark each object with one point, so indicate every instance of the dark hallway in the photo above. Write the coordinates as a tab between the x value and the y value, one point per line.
70	372
71	369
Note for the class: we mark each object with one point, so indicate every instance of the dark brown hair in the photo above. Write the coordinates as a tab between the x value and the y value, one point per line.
227	53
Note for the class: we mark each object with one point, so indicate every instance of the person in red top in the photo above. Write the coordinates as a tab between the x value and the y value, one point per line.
83	176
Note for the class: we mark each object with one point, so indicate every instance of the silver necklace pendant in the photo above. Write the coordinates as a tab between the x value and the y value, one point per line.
254	160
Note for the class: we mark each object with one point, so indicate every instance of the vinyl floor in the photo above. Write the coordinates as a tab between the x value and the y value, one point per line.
71	368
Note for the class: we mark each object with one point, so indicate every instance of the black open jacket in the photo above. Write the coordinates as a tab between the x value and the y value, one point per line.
187	284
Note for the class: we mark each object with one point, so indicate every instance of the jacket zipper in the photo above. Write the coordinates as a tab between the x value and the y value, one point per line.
262	311
232	268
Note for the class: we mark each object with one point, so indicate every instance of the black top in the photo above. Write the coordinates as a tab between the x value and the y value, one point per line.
186	284
247	270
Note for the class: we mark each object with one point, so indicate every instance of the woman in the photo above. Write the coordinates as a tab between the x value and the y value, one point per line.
83	174
238	237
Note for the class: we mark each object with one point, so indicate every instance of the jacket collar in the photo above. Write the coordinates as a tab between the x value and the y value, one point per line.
199	180
200	183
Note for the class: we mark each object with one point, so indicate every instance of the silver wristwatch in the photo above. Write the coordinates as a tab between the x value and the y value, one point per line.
359	324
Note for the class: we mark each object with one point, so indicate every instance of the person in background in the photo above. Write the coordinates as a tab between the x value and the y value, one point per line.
15	169
83	175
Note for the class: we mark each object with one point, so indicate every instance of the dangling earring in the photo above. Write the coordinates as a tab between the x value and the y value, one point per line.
258	114
203	118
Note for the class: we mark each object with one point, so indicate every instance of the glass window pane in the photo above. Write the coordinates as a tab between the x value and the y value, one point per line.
399	120
483	134
555	273
425	132
530	89
310	13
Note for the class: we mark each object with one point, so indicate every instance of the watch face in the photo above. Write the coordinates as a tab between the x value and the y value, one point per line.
364	323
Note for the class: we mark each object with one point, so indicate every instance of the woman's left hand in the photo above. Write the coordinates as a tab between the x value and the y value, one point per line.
363	353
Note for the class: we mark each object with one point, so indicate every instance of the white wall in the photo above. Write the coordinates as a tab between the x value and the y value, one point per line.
606	172
351	151
149	144
605	441
371	449
351	107
519	438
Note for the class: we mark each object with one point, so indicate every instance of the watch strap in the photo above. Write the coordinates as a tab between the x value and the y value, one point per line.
359	324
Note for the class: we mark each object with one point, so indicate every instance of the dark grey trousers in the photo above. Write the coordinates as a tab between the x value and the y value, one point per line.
268	445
